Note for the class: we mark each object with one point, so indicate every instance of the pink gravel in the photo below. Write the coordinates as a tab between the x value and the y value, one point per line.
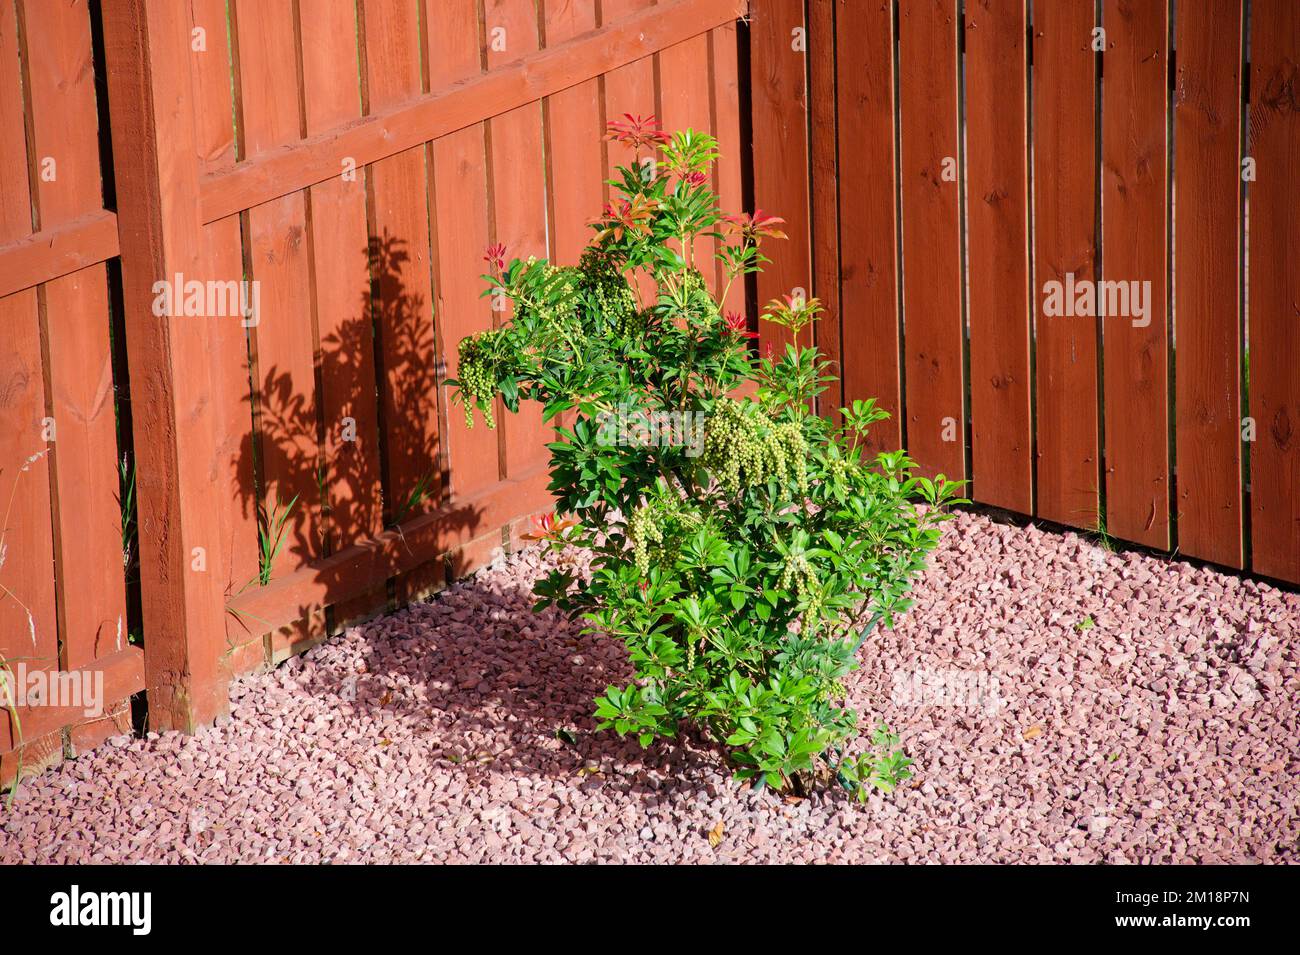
1062	703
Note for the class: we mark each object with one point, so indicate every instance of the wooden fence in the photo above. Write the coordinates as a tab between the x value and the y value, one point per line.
964	156
240	242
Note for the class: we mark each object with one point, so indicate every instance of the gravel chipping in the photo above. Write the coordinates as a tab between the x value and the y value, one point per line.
1062	704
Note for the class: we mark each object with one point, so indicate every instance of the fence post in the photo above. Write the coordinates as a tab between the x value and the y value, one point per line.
177	425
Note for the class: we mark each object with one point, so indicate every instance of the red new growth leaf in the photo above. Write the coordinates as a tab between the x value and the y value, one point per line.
755	226
639	132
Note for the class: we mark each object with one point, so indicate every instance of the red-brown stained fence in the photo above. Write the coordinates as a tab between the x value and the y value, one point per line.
353	160
1110	156
63	594
936	161
1274	290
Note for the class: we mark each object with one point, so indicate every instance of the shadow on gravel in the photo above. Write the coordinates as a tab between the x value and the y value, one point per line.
499	689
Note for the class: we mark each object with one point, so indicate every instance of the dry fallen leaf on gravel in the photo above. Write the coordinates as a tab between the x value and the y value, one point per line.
715	835
1034	732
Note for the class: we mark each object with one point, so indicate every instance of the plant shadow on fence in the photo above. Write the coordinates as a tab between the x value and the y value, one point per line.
355	453
491	670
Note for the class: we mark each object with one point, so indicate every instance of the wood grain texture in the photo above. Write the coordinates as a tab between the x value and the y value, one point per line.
630	88
288	445
27	573
64	128
414	121
43	256
340	576
338	243
1207	198
868	192
684	95
401	270
1275	289
122	672
222	259
825	210
1134	252
147	48
779	91
519	206
997	171
932	277
341	276
400	263
575	158
1065	190
724	54
461	236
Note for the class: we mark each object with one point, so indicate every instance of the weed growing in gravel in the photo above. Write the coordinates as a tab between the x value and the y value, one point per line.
744	573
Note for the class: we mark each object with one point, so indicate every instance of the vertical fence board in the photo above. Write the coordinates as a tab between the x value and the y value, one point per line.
932	281
1064	78
27	573
345	320
778	86
221	256
519	190
684	84
824	170
868	214
287	439
461	199
1275	289
400	265
724	52
1134	249
91	584
630	89
340	256
997	161
575	161
1207	182
400	250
